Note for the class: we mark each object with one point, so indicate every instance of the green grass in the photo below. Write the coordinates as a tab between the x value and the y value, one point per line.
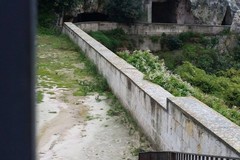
113	39
118	110
56	58
55	66
39	96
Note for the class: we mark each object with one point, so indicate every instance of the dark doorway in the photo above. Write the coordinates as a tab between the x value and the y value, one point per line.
164	12
93	16
228	17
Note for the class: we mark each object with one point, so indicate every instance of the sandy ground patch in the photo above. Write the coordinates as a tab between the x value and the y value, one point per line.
81	131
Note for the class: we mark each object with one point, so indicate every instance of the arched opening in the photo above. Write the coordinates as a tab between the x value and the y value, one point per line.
93	16
164	12
228	17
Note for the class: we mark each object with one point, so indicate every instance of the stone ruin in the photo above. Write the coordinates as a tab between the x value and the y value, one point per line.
209	12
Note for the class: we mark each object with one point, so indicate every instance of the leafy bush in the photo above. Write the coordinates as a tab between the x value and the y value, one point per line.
126	11
112	39
201	57
170	42
105	40
186	36
221	87
49	11
155	71
154	39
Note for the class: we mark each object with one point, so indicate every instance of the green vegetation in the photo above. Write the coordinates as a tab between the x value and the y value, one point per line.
170	42
222	87
154	39
39	96
52	12
201	71
118	110
127	11
61	64
155	71
113	39
198	49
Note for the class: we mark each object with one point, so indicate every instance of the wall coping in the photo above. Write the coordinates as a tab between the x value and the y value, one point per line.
219	126
226	131
131	72
146	23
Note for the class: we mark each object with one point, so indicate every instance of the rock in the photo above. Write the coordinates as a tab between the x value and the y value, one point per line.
235	27
52	112
214	12
210	12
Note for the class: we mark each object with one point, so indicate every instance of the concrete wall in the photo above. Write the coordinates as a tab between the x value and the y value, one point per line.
171	123
151	28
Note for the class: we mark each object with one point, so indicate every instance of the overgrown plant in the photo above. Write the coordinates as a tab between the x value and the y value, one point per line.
126	11
155	71
113	39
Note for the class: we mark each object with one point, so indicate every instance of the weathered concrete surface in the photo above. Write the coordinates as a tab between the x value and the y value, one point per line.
147	104
141	33
195	123
151	29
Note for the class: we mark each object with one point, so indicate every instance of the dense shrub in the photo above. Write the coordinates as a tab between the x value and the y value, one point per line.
112	39
154	39
204	58
155	71
126	11
50	12
221	87
170	42
105	40
187	36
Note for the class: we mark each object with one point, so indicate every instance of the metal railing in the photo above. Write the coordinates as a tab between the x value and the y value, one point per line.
180	156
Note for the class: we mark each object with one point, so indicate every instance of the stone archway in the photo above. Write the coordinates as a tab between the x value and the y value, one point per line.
228	17
164	11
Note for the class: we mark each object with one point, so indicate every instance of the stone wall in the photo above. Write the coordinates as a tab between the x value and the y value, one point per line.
171	123
151	28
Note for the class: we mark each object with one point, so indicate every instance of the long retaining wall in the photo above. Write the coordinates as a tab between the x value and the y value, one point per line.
152	28
172	124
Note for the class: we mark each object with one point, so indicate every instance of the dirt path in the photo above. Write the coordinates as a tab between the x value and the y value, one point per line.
72	127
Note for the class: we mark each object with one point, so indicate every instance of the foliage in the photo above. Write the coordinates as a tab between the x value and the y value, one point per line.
154	39
112	39
49	10
188	36
57	56
221	87
155	71
48	31
205	58
170	42
226	31
39	96
118	110
126	11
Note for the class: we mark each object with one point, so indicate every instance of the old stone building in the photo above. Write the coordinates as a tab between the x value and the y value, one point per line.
212	12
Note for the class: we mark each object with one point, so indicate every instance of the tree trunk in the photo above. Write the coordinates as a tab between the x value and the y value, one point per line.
61	18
